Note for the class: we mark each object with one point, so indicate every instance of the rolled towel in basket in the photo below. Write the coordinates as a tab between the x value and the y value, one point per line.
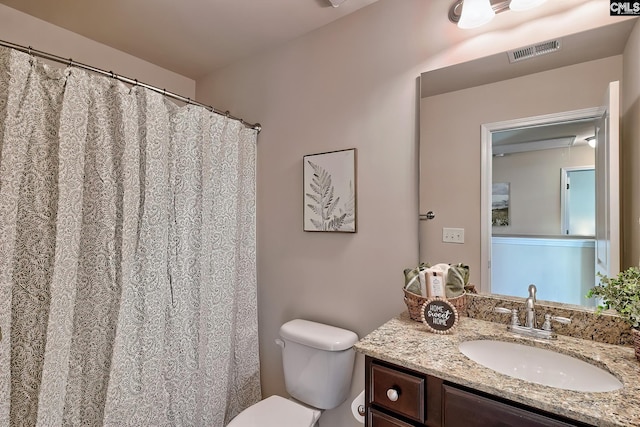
412	279
456	278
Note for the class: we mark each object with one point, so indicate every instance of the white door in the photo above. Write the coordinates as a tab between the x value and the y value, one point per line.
578	201
607	251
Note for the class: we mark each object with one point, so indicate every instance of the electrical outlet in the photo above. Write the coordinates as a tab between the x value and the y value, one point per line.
453	235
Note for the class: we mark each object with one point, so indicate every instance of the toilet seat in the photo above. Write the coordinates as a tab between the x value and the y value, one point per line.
276	411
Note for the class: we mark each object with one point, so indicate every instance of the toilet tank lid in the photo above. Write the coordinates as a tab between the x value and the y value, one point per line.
318	335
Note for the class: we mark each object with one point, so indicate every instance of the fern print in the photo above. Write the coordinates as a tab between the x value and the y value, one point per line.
324	207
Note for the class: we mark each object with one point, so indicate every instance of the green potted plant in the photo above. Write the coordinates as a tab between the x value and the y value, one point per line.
621	293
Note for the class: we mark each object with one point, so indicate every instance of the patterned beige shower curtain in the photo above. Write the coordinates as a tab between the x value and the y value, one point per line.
127	254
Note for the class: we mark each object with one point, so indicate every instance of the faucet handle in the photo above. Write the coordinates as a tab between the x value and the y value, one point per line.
548	318
514	314
560	319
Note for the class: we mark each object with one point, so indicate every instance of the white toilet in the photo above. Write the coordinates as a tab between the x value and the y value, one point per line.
318	365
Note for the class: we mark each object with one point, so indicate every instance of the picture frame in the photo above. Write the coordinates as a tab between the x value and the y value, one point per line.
330	191
500	204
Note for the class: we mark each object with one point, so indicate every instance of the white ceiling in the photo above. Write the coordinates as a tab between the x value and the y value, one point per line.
197	37
190	37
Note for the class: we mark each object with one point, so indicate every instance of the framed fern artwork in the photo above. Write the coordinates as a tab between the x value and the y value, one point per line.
330	191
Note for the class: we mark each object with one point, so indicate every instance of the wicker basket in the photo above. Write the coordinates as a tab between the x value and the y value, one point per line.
414	304
636	342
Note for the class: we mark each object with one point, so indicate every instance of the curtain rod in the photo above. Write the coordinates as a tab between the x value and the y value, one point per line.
71	63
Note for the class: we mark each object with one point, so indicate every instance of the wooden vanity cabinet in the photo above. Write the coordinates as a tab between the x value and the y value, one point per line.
399	397
467	409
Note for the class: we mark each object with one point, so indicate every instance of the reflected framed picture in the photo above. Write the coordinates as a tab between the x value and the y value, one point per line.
500	204
329	184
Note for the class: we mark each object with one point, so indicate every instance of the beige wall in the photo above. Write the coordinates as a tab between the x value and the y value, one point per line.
347	85
352	84
22	29
535	192
450	144
630	151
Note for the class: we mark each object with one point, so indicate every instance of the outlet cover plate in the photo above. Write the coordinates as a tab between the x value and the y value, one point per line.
453	235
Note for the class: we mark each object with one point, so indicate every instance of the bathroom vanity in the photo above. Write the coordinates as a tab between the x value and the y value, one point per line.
402	397
416	378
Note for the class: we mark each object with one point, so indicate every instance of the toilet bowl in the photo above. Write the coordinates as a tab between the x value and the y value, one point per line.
318	364
276	411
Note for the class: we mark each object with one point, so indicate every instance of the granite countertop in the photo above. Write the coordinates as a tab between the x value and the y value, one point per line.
408	343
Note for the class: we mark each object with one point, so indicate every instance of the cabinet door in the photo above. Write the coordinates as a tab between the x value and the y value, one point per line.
378	419
464	409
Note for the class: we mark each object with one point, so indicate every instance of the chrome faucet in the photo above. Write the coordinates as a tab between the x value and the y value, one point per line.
531	308
530	328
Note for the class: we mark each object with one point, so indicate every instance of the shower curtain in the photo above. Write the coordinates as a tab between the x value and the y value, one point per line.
127	254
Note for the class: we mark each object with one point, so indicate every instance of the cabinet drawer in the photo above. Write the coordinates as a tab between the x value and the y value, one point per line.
378	419
400	392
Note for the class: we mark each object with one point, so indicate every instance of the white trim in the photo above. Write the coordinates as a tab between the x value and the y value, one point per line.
614	177
544	241
611	244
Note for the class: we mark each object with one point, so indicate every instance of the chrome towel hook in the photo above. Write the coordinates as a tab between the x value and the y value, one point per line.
428	215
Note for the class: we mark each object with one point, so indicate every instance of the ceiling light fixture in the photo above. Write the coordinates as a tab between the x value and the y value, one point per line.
336	3
519	5
474	13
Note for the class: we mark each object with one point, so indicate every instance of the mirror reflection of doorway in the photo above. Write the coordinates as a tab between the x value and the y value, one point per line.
549	238
552	270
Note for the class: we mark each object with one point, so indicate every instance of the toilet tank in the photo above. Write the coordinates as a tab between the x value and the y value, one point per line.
318	362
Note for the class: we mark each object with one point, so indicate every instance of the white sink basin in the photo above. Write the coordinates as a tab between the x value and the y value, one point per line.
540	366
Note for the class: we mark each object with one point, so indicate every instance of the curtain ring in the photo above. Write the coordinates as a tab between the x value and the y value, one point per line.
164	92
30	53
113	76
70	62
227	114
136	80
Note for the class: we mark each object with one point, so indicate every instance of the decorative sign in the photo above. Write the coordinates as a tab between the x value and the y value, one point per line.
439	315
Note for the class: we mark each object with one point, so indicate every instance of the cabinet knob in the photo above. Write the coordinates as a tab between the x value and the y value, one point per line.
393	394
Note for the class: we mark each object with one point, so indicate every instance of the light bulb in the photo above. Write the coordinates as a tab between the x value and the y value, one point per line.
475	13
518	5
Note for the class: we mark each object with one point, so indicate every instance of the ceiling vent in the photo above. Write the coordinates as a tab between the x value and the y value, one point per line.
533	50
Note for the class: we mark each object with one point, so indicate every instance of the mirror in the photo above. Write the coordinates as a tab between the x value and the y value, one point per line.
457	101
